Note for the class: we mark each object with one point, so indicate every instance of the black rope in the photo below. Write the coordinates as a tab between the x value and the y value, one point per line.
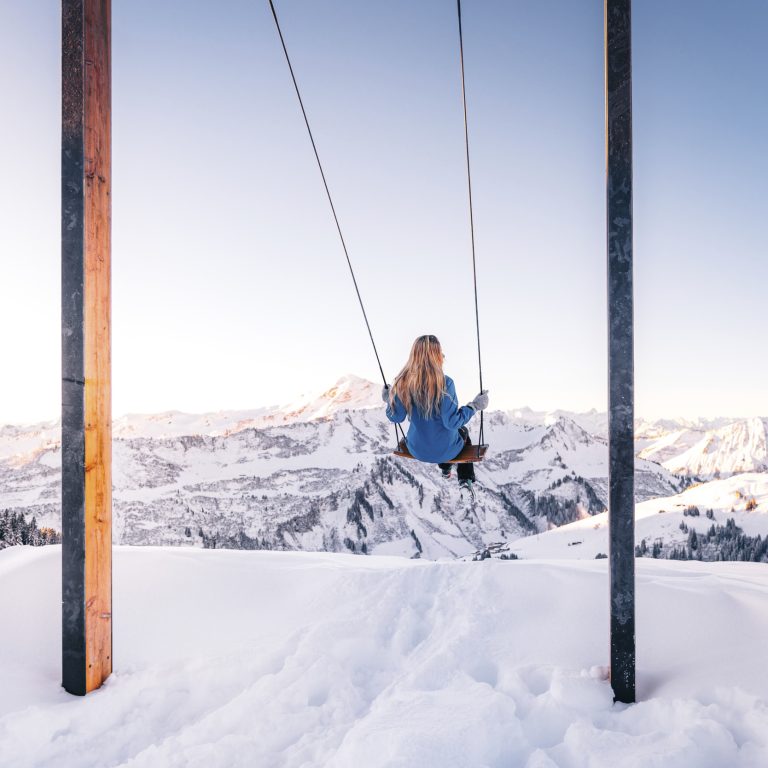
338	225
471	214
328	192
333	207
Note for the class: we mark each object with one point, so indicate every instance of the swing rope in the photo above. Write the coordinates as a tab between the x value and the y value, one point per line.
327	190
471	214
333	207
338	225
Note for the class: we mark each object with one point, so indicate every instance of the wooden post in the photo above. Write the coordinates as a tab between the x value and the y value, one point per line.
621	448
86	410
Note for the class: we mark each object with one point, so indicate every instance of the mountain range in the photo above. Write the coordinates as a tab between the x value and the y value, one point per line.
318	474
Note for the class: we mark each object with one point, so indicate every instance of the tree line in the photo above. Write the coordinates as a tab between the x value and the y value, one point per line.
14	529
719	542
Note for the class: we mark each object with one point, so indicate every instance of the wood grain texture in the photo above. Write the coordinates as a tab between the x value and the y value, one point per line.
97	332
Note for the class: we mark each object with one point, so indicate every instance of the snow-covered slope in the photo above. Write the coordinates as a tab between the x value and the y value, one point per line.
668	523
706	449
20	443
281	660
349	393
738	447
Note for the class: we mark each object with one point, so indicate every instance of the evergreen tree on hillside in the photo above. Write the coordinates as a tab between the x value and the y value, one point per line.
15	530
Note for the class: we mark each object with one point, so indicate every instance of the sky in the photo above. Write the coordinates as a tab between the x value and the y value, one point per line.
230	288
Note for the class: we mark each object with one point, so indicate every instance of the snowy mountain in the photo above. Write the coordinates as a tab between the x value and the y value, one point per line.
349	393
741	446
721	519
318	474
700	448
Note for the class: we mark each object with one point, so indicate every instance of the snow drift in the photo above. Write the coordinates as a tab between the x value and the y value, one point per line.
227	659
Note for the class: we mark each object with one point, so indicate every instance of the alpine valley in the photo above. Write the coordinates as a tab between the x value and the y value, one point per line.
319	475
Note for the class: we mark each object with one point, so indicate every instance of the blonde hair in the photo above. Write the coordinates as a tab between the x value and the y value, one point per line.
422	381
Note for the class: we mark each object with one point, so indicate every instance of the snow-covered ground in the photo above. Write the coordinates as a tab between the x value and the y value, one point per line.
660	519
262	659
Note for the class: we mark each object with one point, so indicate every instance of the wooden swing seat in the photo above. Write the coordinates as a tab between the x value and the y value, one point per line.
470	453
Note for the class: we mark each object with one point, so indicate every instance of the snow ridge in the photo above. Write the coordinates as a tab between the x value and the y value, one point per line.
318	474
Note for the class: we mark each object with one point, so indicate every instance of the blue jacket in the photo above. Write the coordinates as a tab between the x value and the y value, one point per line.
437	438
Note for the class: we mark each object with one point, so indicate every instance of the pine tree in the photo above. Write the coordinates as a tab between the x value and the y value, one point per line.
14	530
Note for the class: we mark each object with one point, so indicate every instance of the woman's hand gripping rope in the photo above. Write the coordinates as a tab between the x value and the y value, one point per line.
480	403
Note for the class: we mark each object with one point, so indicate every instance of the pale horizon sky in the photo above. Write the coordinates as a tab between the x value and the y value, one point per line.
230	289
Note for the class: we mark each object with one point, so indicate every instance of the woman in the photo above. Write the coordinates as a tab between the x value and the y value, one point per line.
427	396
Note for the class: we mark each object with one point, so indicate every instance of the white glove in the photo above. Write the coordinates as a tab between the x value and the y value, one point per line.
480	403
385	393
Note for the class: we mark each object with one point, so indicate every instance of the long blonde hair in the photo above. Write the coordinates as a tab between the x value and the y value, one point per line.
422	381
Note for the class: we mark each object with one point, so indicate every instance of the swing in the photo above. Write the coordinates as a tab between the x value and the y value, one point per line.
470	452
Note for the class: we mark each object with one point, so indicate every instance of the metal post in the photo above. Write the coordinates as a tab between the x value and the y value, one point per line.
86	438
621	460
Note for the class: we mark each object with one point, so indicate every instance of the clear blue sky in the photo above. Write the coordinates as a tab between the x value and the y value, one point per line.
230	288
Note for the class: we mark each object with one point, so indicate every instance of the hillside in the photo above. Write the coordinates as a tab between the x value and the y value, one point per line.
704	522
707	449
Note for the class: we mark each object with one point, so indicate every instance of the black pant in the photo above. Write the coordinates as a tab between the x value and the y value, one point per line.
465	470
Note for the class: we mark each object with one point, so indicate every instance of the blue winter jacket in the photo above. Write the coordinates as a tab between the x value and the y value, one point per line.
437	438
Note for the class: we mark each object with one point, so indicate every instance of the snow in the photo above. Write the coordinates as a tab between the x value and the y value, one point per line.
23	443
660	519
738	447
350	392
227	659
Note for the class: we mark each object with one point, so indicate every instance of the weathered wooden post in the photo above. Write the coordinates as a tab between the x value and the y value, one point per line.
86	409
621	449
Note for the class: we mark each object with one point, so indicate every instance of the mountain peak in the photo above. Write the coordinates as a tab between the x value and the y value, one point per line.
564	432
350	392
